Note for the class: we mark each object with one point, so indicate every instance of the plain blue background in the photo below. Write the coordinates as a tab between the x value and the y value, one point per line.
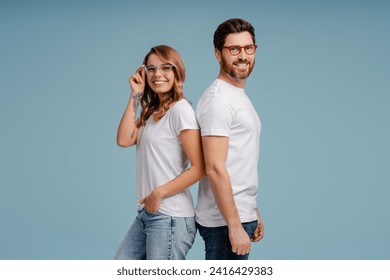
320	85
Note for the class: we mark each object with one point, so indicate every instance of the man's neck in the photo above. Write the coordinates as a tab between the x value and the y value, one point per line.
240	83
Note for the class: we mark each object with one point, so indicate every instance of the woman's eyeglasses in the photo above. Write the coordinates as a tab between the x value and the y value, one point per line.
164	69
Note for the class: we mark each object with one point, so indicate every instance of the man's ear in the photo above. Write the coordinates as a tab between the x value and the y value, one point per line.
217	54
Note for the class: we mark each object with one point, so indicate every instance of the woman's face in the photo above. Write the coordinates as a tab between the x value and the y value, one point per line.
160	76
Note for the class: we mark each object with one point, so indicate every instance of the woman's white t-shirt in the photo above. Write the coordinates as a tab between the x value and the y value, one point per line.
161	157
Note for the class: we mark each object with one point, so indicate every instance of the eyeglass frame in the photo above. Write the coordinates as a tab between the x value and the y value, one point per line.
240	47
159	68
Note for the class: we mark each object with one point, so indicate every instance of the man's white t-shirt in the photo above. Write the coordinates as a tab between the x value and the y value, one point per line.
225	110
161	157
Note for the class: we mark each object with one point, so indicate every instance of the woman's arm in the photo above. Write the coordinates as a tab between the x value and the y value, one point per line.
192	145
127	130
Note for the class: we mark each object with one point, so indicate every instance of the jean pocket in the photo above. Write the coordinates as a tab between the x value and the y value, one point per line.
190	224
250	227
152	214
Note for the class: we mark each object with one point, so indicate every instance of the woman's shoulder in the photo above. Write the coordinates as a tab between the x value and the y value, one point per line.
182	113
183	105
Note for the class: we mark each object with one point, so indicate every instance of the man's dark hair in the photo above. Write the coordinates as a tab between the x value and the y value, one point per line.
233	25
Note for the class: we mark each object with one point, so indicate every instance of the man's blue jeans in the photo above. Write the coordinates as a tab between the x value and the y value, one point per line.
217	241
157	237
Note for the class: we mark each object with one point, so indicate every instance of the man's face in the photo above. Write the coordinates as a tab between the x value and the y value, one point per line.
237	66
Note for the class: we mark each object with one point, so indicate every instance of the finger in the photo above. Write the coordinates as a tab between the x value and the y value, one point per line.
242	252
137	78
142	72
140	69
138	72
259	234
142	201
261	231
255	239
133	79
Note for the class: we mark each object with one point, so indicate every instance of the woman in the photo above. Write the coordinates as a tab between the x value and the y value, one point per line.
167	138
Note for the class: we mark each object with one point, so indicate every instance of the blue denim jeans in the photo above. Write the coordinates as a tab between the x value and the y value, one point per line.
217	243
157	237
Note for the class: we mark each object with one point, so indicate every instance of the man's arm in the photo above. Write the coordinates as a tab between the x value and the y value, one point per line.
215	150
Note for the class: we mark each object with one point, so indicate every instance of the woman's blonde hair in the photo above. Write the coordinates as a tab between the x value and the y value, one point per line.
150	102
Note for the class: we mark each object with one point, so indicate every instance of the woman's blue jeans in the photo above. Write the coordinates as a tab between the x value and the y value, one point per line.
157	237
217	243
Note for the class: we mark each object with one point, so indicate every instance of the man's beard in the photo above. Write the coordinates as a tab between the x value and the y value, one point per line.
234	73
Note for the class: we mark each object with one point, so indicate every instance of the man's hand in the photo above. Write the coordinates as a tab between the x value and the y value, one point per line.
239	240
259	231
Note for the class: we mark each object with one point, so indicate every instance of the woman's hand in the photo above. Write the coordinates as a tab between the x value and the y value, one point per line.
137	81
152	201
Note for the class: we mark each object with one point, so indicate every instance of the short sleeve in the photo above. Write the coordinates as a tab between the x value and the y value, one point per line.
183	117
215	116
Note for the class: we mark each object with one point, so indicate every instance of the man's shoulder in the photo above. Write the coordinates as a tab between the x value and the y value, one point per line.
213	93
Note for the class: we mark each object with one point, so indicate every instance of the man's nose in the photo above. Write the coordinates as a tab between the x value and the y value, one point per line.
242	55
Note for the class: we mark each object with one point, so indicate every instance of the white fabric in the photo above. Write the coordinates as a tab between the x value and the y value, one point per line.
225	110
161	157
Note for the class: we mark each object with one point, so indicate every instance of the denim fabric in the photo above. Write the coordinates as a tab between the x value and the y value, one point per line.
157	237
217	241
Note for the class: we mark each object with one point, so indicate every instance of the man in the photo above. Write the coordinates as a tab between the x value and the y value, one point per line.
226	214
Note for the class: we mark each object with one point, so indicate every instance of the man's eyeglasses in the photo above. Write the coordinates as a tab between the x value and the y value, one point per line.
236	50
164	69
